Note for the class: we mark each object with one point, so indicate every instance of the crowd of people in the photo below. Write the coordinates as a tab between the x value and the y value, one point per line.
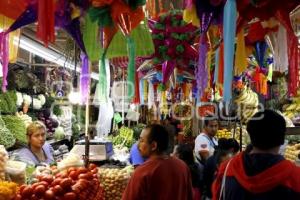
214	169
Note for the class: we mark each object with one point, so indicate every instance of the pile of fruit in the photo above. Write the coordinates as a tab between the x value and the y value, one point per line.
292	152
247	102
8	190
245	136
114	182
124	137
224	133
72	184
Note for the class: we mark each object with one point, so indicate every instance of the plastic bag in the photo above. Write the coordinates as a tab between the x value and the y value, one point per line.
16	171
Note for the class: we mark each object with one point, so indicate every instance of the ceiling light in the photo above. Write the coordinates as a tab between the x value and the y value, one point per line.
48	54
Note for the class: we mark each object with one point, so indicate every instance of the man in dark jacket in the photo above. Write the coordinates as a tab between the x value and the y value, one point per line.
261	174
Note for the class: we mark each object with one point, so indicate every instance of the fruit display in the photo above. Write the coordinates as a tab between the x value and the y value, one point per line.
292	110
245	136
114	182
8	190
124	137
247	104
3	161
224	133
72	184
292	152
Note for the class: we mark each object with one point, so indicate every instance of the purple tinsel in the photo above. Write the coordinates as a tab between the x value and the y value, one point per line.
201	70
84	78
4	58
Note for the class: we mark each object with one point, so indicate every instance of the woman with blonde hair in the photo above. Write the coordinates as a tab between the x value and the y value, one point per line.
38	151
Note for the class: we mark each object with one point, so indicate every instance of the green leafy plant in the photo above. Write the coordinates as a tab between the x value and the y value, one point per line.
16	126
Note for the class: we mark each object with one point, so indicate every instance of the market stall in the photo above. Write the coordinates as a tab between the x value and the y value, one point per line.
94	73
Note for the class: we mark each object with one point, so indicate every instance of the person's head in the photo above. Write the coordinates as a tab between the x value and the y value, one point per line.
266	130
222	155
211	125
185	153
154	140
36	134
234	146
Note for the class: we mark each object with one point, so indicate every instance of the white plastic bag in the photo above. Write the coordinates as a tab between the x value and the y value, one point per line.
17	171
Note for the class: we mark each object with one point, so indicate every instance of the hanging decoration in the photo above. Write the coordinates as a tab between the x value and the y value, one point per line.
125	16
240	54
4	58
84	78
45	27
174	43
230	12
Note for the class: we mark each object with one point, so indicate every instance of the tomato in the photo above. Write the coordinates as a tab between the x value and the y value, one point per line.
44	183
62	175
70	196
56	181
48	178
22	188
87	176
66	183
71	169
73	175
39	190
92	166
27	191
18	197
57	190
94	171
34	197
49	195
82	170
76	188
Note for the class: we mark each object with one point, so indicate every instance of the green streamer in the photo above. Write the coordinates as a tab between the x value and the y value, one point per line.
101	16
142	39
131	67
102	79
90	39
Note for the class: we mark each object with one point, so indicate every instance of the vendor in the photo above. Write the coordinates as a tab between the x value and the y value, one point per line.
37	152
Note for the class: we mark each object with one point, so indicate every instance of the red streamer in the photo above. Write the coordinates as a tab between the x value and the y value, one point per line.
45	28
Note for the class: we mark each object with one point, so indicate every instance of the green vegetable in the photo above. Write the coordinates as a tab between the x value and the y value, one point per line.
7	139
59	133
8	102
124	138
17	127
137	130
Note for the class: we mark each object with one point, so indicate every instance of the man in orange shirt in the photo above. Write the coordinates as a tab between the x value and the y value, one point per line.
161	177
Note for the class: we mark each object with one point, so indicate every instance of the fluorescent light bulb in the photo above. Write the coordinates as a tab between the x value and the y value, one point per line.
48	54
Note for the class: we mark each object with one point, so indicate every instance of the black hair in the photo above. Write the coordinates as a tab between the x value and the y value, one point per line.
223	144
220	154
233	144
160	135
209	118
185	153
266	129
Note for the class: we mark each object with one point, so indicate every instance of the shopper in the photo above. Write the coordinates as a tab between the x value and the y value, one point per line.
136	158
37	152
262	173
210	166
185	153
206	142
172	133
161	177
